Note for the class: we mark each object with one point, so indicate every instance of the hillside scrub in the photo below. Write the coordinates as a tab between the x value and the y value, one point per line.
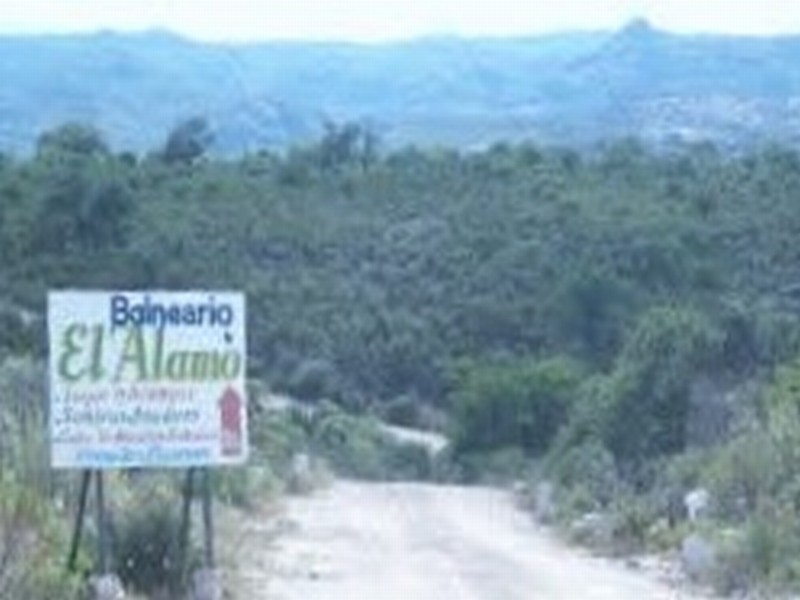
34	533
37	504
620	321
371	278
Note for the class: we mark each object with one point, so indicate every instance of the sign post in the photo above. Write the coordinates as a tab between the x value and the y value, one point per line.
78	531
102	525
147	380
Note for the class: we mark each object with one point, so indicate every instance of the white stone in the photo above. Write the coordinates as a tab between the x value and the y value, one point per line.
594	529
106	587
206	585
698	557
697	504
544	502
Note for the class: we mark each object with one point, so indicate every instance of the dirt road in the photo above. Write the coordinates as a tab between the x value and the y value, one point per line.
419	542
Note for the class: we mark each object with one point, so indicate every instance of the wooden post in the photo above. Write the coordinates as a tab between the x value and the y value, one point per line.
208	520
77	532
102	525
186	523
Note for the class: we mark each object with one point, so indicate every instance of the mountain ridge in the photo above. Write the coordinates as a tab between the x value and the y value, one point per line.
574	87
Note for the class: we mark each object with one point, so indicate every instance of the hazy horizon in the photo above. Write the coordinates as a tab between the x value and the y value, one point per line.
390	20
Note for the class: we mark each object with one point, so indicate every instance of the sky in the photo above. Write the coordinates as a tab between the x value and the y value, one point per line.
378	20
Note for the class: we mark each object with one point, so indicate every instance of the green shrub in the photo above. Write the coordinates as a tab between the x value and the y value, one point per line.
33	537
404	411
762	555
521	404
588	465
685	471
743	472
408	461
772	540
498	466
734	573
575	501
146	533
634	518
646	399
244	486
356	446
314	380
275	439
351	445
33	548
24	446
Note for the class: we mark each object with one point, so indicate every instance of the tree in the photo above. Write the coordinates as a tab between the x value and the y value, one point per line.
85	208
349	143
522	404
648	393
72	139
188	141
590	309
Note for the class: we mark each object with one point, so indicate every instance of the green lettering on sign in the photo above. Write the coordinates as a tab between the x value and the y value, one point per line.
133	356
72	351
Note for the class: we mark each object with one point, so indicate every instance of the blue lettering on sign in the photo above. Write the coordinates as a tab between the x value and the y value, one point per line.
148	313
129	456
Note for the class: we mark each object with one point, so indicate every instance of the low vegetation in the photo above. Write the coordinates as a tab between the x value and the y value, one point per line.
620	323
37	505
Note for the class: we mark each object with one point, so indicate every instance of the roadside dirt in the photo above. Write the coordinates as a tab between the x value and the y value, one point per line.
359	541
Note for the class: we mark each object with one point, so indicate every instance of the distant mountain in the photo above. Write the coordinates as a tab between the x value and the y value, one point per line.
576	87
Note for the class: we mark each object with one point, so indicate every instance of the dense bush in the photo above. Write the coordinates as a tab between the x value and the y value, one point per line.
404	411
33	534
246	486
498	466
357	447
667	348
515	405
405	262
33	547
146	532
471	282
588	466
24	449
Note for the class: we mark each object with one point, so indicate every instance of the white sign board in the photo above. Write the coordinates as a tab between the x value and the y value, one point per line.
147	379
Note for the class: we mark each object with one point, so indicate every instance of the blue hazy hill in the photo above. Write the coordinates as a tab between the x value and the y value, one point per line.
574	87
